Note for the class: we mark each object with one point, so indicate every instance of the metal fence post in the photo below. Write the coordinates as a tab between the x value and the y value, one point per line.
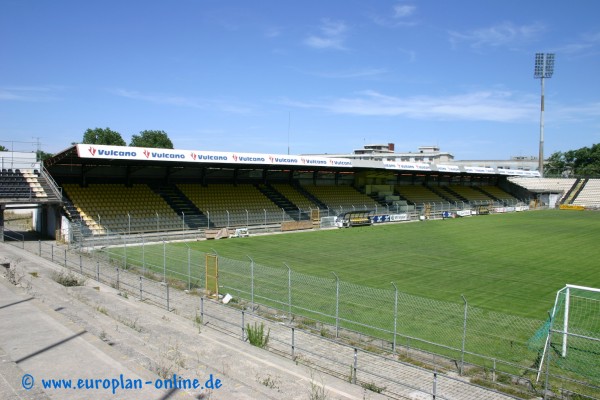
395	317
243	328
141	290
189	268
39	248
117	278
355	366
143	255
167	289
289	292
98	271
65	258
337	305
548	353
164	261
434	393
52	253
202	309
251	282
464	338
293	342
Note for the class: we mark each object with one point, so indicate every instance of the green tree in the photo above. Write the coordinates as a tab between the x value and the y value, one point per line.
153	139
42	155
2	148
583	161
557	164
103	136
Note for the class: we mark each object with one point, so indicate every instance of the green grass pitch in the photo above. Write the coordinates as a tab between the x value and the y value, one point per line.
508	266
510	263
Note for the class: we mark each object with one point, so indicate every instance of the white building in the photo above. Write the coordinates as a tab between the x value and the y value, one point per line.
433	155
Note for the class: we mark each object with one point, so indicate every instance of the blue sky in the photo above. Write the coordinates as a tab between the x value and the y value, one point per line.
317	76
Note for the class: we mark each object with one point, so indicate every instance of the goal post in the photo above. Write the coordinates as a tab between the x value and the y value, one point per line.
212	275
575	321
571	292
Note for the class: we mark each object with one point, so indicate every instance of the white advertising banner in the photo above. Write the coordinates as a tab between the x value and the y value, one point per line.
480	170
93	151
197	156
448	168
518	172
407	166
399	217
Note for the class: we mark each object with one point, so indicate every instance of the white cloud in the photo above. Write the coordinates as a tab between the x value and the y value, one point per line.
410	54
483	105
400	17
29	93
403	10
495	106
504	34
183	101
332	36
273	32
588	43
579	113
349	74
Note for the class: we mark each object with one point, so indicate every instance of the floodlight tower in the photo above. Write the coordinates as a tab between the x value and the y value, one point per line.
544	68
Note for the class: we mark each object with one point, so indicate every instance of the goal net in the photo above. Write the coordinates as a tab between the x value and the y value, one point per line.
573	341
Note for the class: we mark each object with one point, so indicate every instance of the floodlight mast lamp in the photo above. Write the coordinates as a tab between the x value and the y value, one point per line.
544	68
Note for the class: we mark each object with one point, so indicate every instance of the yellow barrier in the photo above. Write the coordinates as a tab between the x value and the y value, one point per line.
571	207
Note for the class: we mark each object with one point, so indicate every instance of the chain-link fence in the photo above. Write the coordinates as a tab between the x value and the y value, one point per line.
372	368
399	330
469	340
103	223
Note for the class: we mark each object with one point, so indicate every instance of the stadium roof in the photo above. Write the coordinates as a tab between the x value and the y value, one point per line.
86	156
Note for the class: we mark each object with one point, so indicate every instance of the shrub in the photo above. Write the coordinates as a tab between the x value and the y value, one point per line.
256	335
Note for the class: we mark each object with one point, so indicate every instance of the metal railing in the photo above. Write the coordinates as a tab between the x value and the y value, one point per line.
324	340
128	223
14	238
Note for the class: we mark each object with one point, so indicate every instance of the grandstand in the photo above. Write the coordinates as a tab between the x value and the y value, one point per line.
111	192
21	184
340	197
118	208
589	195
113	189
224	203
498	194
470	193
419	194
297	198
582	192
545	184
